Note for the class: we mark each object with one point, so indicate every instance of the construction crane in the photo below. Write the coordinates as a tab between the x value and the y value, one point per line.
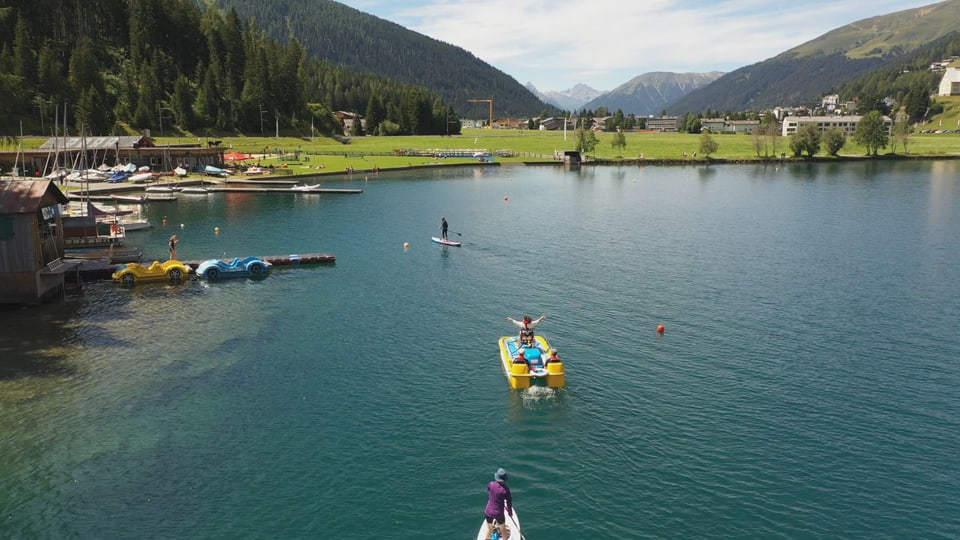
490	101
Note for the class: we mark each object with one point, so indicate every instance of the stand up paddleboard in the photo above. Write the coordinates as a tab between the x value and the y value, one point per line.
446	242
513	524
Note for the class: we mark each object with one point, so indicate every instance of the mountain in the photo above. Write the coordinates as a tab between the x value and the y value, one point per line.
650	93
572	99
805	73
362	42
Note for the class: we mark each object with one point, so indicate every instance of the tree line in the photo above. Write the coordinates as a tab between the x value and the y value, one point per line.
170	65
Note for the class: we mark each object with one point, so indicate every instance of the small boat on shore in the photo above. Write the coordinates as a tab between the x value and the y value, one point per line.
529	370
210	170
251	171
140	178
118	176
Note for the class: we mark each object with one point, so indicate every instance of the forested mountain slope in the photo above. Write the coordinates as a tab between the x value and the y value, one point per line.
363	42
144	64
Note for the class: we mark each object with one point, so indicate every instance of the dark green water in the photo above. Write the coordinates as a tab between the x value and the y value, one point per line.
806	384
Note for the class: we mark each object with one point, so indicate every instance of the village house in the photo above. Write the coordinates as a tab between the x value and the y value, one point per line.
950	82
663	123
554	123
722	125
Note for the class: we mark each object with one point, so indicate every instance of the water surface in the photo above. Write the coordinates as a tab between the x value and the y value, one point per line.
805	384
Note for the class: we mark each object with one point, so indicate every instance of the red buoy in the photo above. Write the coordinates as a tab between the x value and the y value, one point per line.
660	328
506	198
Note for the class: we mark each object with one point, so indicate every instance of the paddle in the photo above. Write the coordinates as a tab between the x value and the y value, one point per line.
456	233
516	525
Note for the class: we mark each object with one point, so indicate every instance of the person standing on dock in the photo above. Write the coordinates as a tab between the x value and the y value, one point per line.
173	247
443	228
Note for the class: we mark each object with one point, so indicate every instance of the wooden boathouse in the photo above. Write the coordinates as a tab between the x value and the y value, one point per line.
59	154
32	268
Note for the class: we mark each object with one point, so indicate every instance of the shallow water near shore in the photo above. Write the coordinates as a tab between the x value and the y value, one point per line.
806	383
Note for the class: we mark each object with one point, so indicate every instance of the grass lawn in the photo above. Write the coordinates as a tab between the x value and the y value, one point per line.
363	153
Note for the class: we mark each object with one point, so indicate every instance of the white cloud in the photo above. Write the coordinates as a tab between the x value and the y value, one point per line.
603	43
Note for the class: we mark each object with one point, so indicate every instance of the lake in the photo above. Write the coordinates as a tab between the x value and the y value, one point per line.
805	385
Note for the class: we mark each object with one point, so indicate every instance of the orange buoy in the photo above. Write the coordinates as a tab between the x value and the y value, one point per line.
660	328
406	245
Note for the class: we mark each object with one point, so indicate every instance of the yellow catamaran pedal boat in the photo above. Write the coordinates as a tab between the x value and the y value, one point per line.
533	369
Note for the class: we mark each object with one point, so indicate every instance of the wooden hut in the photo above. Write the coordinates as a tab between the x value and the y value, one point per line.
31	242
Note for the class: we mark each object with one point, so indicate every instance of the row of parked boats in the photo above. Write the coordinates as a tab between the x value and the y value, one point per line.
175	271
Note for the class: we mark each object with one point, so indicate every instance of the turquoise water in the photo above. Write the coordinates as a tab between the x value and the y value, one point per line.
806	384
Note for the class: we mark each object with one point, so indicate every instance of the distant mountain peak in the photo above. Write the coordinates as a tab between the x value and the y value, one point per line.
651	93
570	99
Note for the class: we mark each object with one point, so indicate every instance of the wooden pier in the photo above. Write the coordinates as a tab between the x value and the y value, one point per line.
100	269
281	190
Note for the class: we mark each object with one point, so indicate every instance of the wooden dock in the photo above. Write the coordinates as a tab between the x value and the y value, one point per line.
280	190
100	269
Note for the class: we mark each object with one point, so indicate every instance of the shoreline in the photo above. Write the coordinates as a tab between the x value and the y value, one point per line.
288	175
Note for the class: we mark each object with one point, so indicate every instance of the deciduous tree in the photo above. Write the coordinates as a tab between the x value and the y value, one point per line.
619	140
833	139
707	144
871	132
805	140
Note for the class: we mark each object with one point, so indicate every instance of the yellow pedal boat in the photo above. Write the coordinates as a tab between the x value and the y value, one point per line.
531	371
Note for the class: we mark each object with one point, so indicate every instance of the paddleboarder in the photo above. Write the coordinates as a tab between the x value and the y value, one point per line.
499	503
443	228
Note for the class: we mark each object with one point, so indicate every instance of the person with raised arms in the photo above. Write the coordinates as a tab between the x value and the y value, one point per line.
526	325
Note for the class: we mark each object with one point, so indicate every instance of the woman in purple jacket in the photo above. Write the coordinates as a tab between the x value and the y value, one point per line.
499	503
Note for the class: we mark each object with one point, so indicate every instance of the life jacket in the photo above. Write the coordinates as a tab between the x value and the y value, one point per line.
526	335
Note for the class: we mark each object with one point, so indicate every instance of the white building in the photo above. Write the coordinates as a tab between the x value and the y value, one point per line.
950	83
848	124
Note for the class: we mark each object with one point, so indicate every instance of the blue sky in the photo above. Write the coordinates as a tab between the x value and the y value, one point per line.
556	44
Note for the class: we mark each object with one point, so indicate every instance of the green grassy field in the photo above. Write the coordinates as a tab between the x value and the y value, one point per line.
369	152
363	153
